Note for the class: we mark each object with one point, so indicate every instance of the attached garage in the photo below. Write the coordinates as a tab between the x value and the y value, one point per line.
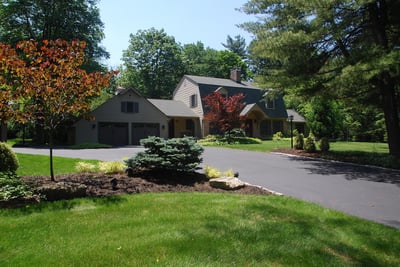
144	130
113	133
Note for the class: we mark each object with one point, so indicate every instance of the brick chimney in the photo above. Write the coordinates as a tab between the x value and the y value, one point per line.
235	75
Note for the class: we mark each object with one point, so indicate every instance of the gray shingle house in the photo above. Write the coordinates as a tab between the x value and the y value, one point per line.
263	117
128	116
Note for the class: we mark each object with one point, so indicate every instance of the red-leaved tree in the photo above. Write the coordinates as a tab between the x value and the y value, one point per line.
48	83
223	113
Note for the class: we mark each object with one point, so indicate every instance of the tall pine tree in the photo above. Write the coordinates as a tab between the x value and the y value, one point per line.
348	49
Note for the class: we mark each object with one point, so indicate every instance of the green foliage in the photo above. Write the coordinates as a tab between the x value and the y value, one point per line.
8	159
40	20
236	45
152	63
324	117
210	62
236	132
11	186
337	55
299	141
176	154
216	140
324	144
309	145
277	136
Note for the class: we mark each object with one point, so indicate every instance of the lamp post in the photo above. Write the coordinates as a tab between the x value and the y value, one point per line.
291	130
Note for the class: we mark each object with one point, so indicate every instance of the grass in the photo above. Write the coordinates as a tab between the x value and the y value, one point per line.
40	165
182	229
359	146
265	146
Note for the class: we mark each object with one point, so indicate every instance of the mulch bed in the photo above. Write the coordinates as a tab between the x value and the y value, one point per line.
99	184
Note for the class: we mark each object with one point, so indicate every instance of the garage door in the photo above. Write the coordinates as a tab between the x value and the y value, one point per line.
115	134
144	130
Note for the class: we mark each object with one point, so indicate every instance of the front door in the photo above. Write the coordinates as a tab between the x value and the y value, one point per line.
249	127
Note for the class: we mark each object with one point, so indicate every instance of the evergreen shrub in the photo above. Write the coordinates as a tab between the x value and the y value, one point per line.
309	145
8	159
176	154
299	141
324	144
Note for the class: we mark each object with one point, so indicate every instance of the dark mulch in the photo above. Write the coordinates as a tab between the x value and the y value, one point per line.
106	185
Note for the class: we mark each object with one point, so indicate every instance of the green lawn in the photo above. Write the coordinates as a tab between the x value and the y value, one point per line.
192	229
356	152
39	165
269	145
187	229
360	146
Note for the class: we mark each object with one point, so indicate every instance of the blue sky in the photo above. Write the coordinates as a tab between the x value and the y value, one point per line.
208	21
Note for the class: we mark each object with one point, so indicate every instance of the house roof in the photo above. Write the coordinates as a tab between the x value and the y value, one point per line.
296	116
220	82
173	108
252	93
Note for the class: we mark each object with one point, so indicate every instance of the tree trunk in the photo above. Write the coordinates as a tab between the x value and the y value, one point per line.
51	156
391	112
3	132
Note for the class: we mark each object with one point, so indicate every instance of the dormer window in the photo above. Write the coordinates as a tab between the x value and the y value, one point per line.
193	101
129	107
223	92
270	103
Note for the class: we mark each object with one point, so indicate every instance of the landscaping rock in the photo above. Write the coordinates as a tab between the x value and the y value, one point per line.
62	190
227	183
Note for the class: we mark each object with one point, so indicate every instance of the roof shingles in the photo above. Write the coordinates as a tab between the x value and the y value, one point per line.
252	94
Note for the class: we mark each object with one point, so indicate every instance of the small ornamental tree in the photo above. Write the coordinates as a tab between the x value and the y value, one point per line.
9	63
50	85
223	113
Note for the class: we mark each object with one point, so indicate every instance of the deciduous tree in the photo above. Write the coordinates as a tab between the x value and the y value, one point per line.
152	63
54	19
49	85
223	113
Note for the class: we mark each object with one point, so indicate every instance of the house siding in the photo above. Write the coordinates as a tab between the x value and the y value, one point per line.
184	91
260	124
110	112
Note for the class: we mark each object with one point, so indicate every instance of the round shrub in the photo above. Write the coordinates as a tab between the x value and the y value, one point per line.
309	145
299	141
8	159
324	144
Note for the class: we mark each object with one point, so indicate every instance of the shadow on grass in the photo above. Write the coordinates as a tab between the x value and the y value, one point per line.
51	206
349	170
269	234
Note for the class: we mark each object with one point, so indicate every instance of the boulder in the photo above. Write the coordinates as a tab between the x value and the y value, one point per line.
62	190
227	183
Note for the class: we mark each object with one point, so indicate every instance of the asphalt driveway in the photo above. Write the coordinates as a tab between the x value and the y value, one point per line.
367	192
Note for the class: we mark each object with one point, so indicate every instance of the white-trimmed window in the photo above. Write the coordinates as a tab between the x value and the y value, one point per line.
193	101
129	107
